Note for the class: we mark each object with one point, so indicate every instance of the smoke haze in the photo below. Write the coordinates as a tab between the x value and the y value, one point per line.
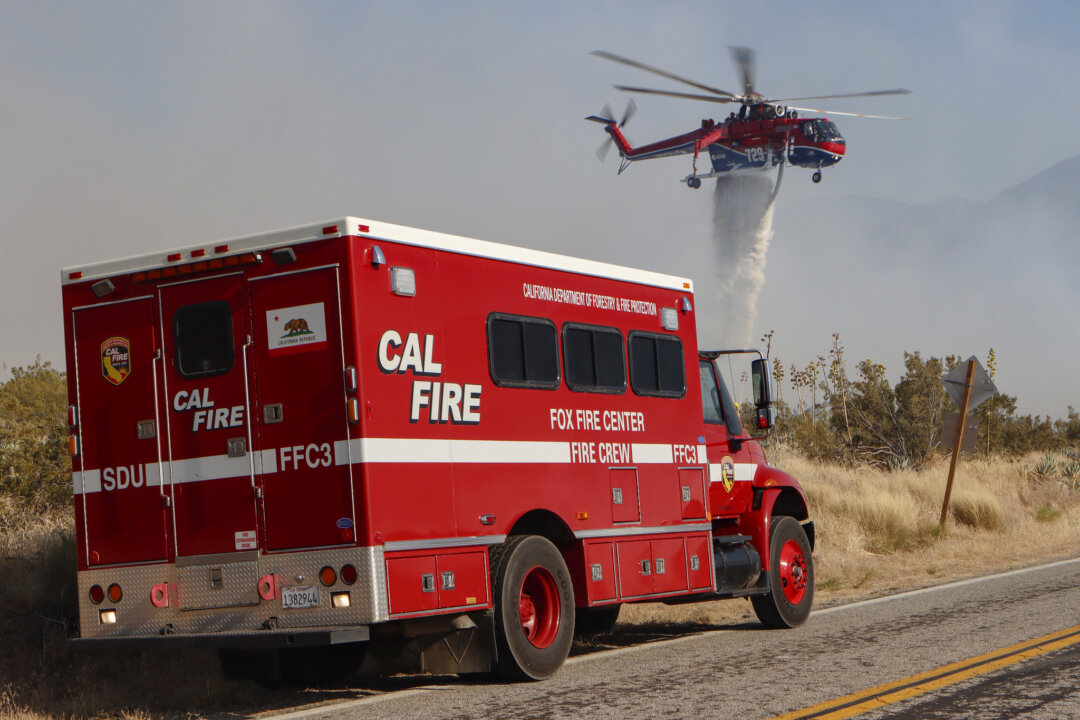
136	127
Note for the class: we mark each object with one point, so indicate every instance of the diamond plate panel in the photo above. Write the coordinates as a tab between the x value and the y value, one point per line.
137	616
218	585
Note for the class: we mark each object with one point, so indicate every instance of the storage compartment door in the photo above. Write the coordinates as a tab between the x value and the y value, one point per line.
300	401
117	473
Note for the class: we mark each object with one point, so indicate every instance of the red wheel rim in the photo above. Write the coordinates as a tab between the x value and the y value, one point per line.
539	607
793	572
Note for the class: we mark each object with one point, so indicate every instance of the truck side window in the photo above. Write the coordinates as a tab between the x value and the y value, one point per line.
656	365
710	395
594	358
204	339
523	351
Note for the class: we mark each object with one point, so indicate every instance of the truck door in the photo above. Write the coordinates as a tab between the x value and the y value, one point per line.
118	469
307	492
204	333
729	460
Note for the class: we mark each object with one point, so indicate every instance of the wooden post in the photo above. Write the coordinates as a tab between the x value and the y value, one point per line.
959	440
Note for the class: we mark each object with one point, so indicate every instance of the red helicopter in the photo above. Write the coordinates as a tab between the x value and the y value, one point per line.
763	133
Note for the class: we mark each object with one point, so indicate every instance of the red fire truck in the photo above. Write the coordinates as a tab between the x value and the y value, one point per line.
357	432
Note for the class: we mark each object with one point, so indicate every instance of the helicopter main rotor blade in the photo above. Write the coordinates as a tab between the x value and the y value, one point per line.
848	114
744	59
663	73
897	91
669	93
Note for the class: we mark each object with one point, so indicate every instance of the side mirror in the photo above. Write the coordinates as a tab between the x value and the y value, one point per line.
765	415
759	371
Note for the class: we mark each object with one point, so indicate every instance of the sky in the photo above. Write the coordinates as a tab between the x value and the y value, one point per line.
127	127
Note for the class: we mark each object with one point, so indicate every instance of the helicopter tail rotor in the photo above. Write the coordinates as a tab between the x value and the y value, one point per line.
606	117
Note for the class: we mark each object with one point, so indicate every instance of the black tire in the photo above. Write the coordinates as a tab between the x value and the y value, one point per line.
786	606
596	620
816	177
529	569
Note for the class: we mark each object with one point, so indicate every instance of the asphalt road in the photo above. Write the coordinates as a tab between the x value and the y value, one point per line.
748	672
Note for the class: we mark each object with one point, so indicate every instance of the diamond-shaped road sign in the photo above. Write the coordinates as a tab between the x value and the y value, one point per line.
982	387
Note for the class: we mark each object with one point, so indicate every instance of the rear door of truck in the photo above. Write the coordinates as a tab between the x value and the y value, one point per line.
204	339
118	470
300	405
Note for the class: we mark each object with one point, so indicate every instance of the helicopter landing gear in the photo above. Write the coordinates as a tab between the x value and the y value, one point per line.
816	177
693	182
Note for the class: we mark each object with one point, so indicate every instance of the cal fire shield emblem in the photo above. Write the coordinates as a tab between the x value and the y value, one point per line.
116	359
727	469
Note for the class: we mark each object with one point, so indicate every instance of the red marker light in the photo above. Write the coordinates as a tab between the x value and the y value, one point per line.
75	275
198	253
174	257
115	593
329	230
97	595
221	248
348	574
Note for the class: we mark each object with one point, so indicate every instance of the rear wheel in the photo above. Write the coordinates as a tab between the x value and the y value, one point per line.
791	576
534	608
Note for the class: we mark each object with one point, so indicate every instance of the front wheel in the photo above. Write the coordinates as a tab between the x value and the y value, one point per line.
791	576
816	177
534	608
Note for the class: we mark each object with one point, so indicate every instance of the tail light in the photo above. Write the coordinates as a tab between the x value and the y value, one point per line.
348	574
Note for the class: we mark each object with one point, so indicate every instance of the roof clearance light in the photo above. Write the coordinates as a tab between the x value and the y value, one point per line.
330	230
403	281
669	319
363	228
75	275
198	253
175	257
221	249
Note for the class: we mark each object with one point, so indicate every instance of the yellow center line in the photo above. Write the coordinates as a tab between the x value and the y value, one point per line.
909	687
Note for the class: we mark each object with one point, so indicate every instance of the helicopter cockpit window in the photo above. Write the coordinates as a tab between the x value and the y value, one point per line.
809	131
827	129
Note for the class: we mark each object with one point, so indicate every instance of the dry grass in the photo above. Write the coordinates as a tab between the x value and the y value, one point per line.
877	532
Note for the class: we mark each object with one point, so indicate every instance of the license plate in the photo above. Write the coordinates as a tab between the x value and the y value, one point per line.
293	598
